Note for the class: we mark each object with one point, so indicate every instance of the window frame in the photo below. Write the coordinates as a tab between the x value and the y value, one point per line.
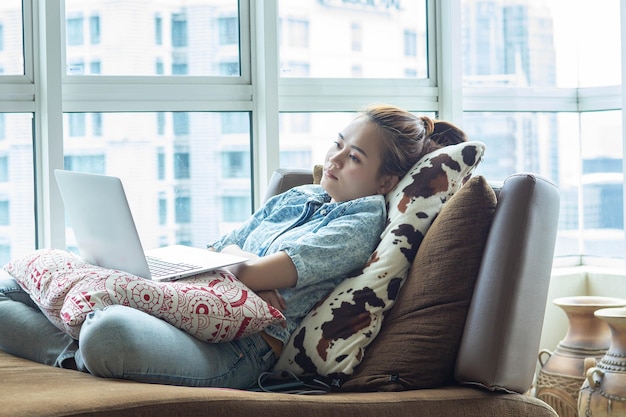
259	90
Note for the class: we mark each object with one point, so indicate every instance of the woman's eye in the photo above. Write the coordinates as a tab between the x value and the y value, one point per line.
355	158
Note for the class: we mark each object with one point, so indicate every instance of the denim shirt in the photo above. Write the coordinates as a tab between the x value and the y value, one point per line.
326	242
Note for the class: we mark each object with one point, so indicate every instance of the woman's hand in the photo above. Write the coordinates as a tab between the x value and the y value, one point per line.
273	298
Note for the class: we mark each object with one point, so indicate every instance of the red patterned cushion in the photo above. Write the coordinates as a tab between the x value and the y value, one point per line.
332	338
214	307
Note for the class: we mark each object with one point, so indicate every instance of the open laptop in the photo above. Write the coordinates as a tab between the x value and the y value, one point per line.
106	234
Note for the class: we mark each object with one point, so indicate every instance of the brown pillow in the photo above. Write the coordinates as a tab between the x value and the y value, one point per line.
418	343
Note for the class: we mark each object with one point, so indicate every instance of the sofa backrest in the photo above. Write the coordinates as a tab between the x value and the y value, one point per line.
284	179
503	327
501	338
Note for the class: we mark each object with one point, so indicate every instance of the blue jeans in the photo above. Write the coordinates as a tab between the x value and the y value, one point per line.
121	342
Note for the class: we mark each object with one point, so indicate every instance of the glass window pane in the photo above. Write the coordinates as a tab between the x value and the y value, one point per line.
136	37
602	202
11	38
306	137
591	215
530	43
347	38
17	205
178	186
587	39
508	43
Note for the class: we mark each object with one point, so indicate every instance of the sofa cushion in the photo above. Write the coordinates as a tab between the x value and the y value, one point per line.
31	389
332	337
213	306
418	343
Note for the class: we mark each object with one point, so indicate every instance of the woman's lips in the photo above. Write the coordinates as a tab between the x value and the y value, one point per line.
330	175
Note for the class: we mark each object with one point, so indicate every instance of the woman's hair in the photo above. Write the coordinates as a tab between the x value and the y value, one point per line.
409	137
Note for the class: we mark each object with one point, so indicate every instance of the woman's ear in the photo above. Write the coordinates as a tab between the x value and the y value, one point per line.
387	182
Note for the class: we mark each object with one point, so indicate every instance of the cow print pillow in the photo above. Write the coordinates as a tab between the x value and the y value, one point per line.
332	338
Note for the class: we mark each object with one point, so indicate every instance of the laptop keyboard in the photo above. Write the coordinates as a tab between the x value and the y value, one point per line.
159	267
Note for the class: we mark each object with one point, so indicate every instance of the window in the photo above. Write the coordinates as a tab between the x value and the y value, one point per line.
90	164
356	33
179	30
11	38
325	35
160	123
158	30
181	123
302	147
77	122
229	68
147	36
410	43
17	194
160	164
5	253
162	209
96	124
181	164
182	209
298	30
601	176
146	82
228	30
235	122
75	31
95	67
159	67
524	44
179	68
5	218
171	181
94	30
236	164
4	168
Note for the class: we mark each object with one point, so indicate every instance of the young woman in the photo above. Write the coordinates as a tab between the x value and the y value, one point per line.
301	244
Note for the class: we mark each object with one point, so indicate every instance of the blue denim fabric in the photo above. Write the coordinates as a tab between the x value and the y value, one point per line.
326	242
122	342
27	333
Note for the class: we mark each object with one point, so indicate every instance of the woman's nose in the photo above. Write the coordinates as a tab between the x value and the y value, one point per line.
334	161
336	158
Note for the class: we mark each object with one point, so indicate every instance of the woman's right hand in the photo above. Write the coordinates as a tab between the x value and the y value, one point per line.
273	298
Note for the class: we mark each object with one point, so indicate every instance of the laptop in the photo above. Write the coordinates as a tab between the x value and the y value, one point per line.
106	234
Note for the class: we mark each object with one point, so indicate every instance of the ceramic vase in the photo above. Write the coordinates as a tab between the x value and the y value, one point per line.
603	393
588	338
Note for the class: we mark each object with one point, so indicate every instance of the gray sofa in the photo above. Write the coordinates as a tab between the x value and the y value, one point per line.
490	368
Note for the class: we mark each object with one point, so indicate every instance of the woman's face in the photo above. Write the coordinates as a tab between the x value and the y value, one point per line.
352	164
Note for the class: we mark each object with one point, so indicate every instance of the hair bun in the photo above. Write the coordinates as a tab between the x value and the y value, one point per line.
429	125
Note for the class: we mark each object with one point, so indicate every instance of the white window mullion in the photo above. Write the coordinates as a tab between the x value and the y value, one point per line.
48	67
449	66
623	45
265	75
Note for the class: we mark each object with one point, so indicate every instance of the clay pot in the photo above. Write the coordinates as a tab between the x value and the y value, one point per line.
587	338
603	393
